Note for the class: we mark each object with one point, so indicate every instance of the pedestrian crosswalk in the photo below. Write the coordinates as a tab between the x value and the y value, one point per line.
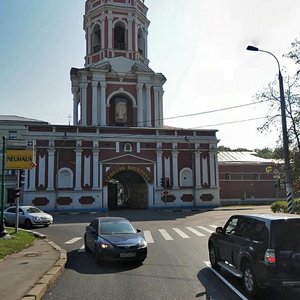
169	234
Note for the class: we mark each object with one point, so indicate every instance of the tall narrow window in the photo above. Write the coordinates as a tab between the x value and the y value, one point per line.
141	42
96	38
119	37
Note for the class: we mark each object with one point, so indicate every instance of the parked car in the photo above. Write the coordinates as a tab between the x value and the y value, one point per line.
28	216
263	250
114	238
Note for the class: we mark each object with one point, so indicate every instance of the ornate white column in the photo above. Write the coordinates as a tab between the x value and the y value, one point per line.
95	166
102	33
159	154
75	105
140	109
146	43
129	20
78	166
161	108
109	31
198	168
148	105
103	104
50	186
175	165
83	91
156	107
95	103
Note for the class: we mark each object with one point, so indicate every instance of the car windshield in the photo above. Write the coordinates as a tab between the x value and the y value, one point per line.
116	227
287	234
33	210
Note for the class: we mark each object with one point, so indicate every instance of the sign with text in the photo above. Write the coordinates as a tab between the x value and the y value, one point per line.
19	159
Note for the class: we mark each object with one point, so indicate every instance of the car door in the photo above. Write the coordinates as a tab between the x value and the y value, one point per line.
227	239
92	234
10	215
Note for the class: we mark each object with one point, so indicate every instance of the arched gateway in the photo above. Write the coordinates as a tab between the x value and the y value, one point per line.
128	187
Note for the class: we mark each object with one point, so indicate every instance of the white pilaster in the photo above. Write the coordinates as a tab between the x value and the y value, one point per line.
198	169
156	107
175	166
159	154
103	104
32	174
94	103
75	105
83	91
87	170
109	31
161	109
78	167
148	105
140	109
50	186
129	32
95	168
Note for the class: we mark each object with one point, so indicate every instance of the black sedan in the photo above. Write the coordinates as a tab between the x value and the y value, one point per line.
114	238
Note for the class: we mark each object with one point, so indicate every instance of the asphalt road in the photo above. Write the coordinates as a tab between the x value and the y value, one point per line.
176	267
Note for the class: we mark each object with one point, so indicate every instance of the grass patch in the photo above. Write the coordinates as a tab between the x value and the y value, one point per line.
19	241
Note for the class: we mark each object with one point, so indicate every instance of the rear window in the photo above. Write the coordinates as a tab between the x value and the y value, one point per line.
287	234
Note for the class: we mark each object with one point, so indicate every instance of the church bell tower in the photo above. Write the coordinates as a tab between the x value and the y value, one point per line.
116	87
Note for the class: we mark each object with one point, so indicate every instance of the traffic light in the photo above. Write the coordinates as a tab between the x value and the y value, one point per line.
21	178
162	182
168	182
12	195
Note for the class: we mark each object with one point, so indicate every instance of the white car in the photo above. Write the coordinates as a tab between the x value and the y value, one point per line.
28	216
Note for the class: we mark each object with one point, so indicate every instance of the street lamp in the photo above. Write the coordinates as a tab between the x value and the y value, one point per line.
288	174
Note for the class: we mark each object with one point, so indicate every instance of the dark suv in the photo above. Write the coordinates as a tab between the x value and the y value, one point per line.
263	250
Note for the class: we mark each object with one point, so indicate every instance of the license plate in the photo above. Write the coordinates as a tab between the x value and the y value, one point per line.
131	254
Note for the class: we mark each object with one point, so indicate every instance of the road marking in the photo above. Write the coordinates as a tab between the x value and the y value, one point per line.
213	226
81	249
148	237
226	282
205	229
165	234
181	233
195	231
74	240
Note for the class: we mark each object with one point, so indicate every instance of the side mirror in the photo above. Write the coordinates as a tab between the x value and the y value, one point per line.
138	230
219	229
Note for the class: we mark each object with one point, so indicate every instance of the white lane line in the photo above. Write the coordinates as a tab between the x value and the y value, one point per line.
205	229
148	237
81	249
74	240
226	282
213	226
181	233
195	231
166	236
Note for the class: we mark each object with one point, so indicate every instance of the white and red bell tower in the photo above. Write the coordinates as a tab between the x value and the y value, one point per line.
116	87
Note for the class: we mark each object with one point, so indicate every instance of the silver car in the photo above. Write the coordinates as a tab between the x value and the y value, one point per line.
28	216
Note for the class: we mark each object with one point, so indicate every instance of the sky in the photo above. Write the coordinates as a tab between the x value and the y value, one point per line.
199	46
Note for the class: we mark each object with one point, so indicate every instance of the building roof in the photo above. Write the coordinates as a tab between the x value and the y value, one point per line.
242	157
17	119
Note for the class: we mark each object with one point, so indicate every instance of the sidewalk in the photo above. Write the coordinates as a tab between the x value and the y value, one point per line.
29	273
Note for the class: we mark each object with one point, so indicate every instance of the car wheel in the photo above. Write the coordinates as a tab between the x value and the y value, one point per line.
249	280
213	257
86	247
27	224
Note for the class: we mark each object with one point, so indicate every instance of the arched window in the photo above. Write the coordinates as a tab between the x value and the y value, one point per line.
127	147
65	178
119	36
141	42
96	38
186	177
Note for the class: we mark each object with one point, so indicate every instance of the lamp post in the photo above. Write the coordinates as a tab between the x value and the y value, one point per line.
288	173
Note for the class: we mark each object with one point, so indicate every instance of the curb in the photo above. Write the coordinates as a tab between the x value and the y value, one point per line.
51	276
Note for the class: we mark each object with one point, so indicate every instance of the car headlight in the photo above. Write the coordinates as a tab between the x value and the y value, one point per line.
106	246
36	218
142	244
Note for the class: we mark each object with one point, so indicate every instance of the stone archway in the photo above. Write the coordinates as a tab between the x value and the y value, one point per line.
127	190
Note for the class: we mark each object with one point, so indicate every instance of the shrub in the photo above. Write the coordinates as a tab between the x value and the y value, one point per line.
282	206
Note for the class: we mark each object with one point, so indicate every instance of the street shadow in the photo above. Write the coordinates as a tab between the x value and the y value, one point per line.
85	263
